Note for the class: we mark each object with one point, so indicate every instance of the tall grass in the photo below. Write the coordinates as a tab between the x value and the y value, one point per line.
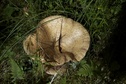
20	18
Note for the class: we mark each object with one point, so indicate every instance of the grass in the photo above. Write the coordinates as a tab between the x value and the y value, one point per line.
20	18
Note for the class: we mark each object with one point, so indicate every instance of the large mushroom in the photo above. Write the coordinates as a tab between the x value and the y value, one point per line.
58	40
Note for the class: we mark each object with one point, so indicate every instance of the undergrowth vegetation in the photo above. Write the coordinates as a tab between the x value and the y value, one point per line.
20	17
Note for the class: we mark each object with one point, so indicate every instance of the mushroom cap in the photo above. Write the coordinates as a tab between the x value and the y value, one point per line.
30	44
52	70
70	40
60	39
32	47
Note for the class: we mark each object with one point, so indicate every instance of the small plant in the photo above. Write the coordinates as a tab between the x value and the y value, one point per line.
86	69
16	72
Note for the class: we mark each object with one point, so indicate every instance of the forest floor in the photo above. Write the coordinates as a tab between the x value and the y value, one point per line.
105	60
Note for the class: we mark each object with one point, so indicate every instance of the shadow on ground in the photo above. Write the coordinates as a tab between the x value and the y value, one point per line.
115	52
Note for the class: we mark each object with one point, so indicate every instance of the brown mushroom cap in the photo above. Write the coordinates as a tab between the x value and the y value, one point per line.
30	44
69	35
52	70
61	39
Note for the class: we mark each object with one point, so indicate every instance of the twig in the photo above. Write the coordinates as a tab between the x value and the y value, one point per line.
53	79
56	74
